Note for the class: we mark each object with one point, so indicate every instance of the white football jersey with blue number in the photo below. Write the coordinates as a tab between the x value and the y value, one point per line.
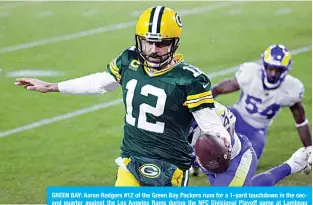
228	120
259	106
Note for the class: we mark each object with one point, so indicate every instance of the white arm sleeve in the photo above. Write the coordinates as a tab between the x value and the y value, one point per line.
97	83
210	123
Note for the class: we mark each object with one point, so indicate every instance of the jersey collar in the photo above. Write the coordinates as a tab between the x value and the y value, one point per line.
153	72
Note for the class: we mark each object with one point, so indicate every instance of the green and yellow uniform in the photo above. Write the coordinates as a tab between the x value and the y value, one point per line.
158	108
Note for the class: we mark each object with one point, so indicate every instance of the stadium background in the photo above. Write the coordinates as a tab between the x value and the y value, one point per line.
81	150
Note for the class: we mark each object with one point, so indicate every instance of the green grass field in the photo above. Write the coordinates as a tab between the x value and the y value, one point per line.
81	150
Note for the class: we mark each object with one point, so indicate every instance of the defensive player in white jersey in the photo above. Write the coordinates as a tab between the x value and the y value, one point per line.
264	90
243	162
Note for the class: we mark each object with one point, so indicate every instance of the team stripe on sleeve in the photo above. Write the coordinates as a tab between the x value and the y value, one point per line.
199	99
115	70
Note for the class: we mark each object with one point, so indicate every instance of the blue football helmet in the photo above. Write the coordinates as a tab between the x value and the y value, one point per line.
277	58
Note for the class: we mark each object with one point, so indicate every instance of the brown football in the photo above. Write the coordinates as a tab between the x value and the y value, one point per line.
212	154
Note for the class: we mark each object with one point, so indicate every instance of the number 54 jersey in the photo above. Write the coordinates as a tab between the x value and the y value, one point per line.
258	105
158	107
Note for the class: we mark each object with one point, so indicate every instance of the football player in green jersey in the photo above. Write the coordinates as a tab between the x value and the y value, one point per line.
162	94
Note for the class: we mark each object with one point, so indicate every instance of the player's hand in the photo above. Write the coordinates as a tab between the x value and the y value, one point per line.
308	150
33	84
308	168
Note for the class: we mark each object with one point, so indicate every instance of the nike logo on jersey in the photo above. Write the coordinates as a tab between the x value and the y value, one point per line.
204	86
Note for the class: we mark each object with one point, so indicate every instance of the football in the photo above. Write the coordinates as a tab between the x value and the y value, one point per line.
212	154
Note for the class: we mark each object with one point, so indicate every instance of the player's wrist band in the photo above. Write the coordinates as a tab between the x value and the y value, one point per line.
305	122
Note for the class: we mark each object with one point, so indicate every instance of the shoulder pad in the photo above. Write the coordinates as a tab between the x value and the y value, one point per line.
118	65
246	72
190	73
294	89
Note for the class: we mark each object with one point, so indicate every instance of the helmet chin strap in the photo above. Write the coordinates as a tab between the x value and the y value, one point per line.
158	65
271	85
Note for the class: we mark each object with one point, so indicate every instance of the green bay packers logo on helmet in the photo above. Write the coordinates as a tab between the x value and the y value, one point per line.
150	170
178	20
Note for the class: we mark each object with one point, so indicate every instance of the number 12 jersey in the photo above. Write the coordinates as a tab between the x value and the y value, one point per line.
159	106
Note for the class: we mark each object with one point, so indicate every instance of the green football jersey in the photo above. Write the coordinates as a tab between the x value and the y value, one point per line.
158	107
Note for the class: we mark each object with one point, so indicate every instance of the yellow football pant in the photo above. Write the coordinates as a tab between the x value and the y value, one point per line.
125	178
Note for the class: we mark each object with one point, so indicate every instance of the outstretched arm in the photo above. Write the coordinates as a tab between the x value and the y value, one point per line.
210	123
302	123
97	83
226	86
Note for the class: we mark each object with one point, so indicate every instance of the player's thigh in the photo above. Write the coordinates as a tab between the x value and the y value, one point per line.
240	171
258	142
246	169
125	178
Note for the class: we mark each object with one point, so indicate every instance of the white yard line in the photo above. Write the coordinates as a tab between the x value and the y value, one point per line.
227	71
67	37
194	11
40	123
4	14
34	73
44	14
12	5
283	11
135	13
89	13
234	12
